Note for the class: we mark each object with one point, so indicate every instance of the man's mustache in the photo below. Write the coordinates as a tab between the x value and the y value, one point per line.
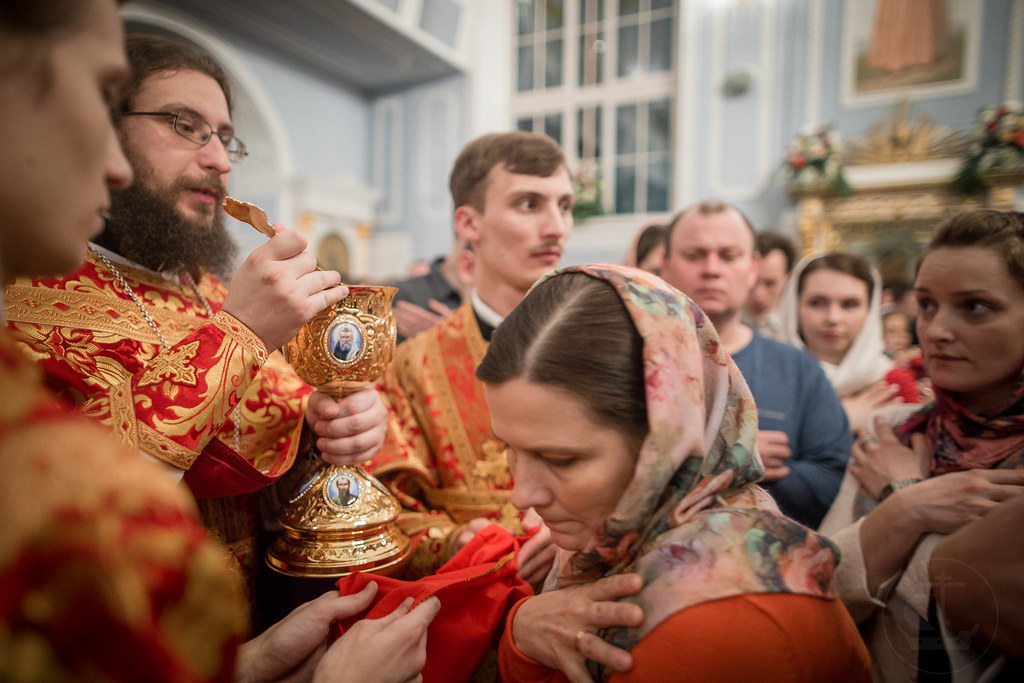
212	184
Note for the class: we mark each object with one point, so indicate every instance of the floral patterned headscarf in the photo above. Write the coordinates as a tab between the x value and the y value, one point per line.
692	522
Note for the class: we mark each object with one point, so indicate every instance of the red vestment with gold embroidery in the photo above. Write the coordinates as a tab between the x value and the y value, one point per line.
102	556
99	353
440	457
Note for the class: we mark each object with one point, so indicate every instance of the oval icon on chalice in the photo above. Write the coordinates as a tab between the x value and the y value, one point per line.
342	490
345	340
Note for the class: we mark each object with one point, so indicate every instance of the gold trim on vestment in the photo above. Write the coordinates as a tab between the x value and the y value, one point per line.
446	401
448	498
240	332
410	466
99	312
160	446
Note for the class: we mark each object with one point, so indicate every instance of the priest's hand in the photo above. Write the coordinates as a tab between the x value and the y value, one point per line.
559	628
392	649
292	648
349	432
278	288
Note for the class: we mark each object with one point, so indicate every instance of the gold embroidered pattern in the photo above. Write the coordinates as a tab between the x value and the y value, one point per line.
238	331
452	402
509	518
172	367
165	448
494	466
93	311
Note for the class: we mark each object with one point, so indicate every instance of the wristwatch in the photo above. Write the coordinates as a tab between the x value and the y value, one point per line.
896	485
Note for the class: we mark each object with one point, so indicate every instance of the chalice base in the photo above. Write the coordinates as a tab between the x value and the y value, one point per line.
341	521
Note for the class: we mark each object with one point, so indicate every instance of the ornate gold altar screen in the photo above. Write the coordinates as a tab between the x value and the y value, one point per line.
901	173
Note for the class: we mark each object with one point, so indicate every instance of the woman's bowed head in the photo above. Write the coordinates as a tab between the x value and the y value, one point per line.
637	451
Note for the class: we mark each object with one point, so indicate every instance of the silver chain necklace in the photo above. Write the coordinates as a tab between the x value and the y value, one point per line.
163	342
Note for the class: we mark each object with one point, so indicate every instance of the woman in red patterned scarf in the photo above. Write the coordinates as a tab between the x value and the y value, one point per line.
631	433
949	463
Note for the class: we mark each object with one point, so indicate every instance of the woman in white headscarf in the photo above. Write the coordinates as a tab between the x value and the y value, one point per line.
831	307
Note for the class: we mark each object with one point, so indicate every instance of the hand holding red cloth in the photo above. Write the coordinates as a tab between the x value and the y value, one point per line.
477	587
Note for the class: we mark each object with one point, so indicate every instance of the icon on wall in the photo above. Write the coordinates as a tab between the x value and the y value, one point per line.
894	48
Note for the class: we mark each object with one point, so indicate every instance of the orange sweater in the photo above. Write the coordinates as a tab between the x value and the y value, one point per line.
763	637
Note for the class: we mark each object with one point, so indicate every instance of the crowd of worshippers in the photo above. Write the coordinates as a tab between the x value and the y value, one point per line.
718	461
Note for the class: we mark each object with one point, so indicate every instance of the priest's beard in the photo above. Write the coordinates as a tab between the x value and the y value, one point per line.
145	226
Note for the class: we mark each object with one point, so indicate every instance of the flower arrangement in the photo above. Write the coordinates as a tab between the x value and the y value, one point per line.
586	184
811	162
996	144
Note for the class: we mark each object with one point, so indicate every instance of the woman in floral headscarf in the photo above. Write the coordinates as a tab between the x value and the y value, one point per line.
632	434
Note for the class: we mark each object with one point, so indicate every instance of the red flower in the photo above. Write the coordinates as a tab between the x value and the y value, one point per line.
798	162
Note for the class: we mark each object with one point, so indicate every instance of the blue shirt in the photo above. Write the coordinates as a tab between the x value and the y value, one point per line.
794	396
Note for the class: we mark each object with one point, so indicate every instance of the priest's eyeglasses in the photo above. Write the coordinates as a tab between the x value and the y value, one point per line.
195	128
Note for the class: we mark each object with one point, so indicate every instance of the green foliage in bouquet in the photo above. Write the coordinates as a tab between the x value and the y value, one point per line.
997	144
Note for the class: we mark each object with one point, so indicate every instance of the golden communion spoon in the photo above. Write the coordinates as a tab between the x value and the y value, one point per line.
251	214
248	213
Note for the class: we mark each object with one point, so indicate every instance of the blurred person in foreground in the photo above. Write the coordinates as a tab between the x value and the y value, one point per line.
145	336
107	572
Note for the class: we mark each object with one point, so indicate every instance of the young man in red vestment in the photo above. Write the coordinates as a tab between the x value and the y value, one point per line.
513	197
146	338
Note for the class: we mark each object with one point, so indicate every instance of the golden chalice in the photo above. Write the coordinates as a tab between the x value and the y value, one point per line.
342	520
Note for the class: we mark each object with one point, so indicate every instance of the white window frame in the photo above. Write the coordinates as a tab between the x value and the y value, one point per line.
640	89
